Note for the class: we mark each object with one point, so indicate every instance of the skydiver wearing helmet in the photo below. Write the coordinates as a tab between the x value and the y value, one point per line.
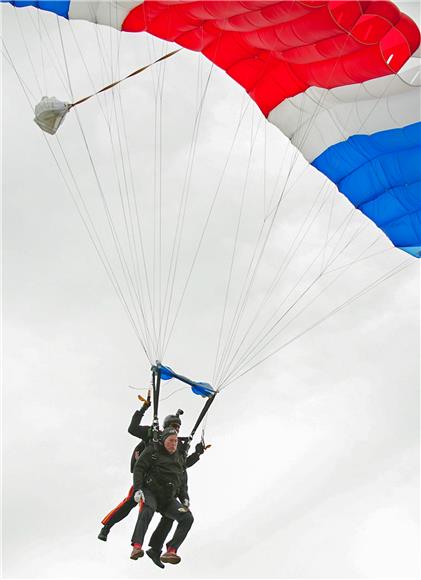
124	507
160	485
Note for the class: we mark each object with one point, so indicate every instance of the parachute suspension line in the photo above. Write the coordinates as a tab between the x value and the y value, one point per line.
108	271
110	222
28	52
231	267
255	350
185	194
92	234
296	153
96	241
135	222
164	316
252	355
253	268
123	263
158	159
289	255
278	181
264	169
169	292
164	334
257	311
102	60
128	278
134	245
157	210
323	260
381	97
123	188
359	260
52	53
239	368
26	90
185	197
319	106
37	27
158	190
249	352
243	111
369	288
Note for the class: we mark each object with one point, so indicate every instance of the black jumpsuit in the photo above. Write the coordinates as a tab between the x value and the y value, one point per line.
127	504
161	477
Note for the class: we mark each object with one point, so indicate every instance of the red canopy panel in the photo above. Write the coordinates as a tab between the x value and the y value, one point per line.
277	49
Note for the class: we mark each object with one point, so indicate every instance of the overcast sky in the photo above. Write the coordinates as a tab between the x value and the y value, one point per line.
314	466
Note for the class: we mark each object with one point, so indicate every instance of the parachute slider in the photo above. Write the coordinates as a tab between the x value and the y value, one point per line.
198	388
51	112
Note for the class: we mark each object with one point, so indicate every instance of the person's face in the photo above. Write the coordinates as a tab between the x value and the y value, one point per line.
170	443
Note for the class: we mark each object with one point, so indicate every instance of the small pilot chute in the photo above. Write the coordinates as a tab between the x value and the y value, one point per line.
50	114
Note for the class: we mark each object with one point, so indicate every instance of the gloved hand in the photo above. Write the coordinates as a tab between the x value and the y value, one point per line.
139	496
200	448
185	507
146	402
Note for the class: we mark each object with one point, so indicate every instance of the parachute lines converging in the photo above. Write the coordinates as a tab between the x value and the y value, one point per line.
336	78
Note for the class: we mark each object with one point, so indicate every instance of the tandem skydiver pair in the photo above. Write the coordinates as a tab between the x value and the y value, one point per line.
158	464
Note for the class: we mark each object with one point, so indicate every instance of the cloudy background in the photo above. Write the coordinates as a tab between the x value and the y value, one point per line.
314	466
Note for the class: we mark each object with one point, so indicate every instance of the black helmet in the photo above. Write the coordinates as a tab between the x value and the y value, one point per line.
171	420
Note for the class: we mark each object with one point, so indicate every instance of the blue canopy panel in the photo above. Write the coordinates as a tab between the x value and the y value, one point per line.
198	388
59	7
380	174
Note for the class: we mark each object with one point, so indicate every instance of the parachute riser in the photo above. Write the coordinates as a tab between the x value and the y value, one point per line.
156	386
202	415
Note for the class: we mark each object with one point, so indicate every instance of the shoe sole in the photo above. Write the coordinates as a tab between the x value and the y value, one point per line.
137	556
171	559
102	538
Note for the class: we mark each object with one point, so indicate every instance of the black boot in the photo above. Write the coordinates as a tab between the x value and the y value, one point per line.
155	557
104	533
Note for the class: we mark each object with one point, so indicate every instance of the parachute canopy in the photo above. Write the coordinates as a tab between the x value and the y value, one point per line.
325	72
